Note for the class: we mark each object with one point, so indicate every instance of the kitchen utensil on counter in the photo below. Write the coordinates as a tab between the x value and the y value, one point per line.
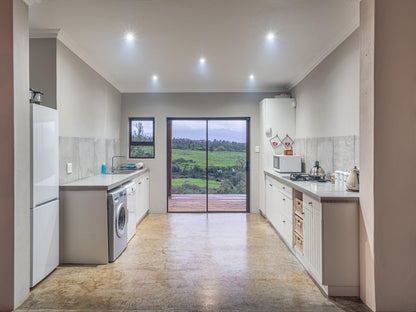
353	181
37	97
317	171
31	95
289	152
103	168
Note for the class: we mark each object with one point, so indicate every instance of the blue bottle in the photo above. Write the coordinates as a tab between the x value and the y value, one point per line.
103	169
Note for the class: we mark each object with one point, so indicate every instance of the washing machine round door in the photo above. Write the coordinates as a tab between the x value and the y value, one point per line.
121	221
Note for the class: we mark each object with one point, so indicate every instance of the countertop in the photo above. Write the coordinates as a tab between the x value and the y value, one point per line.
102	182
322	191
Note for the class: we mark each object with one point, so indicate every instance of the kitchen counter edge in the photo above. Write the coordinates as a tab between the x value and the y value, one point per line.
115	180
352	196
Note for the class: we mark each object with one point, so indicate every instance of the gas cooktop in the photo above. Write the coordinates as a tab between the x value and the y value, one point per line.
306	177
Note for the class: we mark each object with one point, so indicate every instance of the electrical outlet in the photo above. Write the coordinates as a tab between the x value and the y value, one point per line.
68	168
257	149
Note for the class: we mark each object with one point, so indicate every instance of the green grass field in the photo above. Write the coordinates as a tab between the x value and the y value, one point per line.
197	182
220	159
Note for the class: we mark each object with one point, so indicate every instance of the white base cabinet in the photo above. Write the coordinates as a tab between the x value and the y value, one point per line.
331	245
312	237
142	196
279	208
330	236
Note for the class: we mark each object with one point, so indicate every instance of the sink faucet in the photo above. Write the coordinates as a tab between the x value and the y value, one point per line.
112	162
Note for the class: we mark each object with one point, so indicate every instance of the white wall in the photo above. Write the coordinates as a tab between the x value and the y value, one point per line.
165	105
328	98
21	152
89	106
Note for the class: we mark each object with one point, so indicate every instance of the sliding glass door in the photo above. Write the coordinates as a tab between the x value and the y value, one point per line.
208	164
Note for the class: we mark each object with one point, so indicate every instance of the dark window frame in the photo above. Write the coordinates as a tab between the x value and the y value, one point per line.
131	143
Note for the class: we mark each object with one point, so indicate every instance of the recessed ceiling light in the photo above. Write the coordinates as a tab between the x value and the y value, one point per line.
270	36
129	37
251	77
202	60
155	77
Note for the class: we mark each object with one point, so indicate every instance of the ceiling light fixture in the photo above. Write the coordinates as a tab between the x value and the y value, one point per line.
155	77
202	60
129	37
270	36
251	77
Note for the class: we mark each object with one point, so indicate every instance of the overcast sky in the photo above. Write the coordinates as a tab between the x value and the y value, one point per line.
229	130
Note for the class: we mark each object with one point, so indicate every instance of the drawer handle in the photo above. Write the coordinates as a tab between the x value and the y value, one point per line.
284	199
310	203
284	187
270	184
284	221
140	182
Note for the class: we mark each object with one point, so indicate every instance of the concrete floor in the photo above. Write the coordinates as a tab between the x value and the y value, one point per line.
191	262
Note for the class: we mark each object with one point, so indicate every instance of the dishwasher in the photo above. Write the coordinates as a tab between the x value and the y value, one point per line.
131	208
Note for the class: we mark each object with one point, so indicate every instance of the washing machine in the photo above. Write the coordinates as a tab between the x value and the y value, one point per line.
117	222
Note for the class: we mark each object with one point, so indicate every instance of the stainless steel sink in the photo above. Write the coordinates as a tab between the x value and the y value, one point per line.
123	171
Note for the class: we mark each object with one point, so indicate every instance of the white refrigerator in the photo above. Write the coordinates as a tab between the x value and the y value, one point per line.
44	208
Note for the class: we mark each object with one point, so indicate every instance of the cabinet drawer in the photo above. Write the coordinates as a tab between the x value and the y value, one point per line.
298	206
299	225
311	203
287	190
286	230
270	181
298	242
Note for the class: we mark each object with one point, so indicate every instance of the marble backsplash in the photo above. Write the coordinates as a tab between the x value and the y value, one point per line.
86	156
333	153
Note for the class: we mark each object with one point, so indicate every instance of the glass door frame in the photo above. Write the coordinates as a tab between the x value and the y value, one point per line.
169	161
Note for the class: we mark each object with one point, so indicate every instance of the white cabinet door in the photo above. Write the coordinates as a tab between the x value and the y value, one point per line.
286	206
142	196
273	204
312	237
146	190
268	196
285	224
139	195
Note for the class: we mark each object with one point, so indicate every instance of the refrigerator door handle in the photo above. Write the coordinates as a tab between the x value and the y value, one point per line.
46	202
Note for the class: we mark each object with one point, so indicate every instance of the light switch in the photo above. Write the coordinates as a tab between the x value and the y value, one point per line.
257	149
68	168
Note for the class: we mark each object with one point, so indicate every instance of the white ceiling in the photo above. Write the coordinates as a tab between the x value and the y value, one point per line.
171	36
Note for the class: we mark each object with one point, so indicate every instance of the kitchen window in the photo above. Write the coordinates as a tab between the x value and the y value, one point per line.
141	138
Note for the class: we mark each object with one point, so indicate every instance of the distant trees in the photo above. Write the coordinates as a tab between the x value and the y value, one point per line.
213	146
